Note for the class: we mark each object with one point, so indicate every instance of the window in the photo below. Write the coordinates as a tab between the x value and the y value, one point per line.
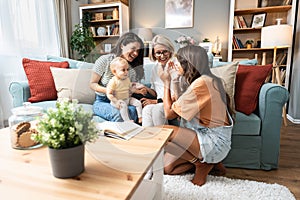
28	28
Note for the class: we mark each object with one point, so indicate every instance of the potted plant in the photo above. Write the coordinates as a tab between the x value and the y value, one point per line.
65	129
82	41
249	44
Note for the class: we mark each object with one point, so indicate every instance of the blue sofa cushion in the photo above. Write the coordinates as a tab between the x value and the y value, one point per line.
74	64
246	124
241	62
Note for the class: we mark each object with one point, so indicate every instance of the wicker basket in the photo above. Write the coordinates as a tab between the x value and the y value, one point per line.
123	1
97	1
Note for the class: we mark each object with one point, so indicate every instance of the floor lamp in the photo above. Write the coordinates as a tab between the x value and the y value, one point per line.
277	36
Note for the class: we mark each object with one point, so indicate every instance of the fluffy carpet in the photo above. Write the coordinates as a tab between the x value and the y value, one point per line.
180	188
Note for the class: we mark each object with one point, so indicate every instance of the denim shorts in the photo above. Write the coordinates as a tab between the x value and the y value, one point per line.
215	143
105	110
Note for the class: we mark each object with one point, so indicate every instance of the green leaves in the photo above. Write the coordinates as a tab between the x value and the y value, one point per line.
66	126
82	41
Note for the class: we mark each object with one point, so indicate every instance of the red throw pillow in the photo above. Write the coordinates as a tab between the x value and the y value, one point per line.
40	80
249	80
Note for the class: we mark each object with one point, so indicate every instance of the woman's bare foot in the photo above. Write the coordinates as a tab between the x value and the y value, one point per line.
201	172
218	170
140	120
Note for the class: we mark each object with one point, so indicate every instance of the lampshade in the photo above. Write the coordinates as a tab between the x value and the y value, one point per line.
145	34
279	35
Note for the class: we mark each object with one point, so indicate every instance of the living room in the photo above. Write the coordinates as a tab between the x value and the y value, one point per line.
211	19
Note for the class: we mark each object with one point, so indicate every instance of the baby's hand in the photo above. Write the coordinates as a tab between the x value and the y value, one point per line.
120	104
138	85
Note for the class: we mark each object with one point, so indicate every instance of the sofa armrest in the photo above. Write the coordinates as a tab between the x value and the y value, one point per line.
272	98
20	92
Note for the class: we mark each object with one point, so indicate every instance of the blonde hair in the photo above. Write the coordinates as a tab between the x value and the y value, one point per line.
117	61
161	40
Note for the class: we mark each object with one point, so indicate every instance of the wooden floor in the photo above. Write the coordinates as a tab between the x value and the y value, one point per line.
288	173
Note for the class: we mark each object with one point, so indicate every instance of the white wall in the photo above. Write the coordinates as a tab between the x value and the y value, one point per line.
211	19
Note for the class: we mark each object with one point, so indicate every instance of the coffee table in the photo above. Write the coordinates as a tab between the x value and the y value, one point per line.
114	169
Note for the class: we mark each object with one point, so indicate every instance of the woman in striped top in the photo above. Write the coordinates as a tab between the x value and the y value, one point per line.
130	47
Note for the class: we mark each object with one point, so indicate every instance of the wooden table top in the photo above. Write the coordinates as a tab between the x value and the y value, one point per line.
113	168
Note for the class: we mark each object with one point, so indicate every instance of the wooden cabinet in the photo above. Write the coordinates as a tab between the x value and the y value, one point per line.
107	21
242	29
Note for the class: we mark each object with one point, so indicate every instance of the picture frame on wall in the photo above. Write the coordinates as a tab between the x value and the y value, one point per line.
258	20
179	13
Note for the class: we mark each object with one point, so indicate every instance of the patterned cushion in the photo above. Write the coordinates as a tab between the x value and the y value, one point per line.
40	79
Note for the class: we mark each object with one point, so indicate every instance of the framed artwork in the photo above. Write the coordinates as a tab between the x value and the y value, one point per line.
107	48
179	13
258	20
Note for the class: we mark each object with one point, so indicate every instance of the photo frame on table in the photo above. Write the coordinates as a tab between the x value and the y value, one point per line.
258	20
179	13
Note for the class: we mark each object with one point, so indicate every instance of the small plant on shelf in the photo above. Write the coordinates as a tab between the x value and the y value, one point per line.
249	44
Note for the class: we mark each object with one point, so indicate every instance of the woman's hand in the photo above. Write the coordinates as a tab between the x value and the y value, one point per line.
146	101
164	74
142	91
175	69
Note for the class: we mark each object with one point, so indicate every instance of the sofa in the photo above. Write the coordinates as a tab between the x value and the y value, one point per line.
256	135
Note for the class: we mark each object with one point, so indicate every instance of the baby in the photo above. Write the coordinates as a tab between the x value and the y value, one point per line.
119	89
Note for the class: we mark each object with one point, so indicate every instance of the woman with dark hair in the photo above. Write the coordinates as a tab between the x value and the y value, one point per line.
203	139
130	47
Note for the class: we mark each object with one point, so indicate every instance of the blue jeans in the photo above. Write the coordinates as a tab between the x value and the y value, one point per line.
103	109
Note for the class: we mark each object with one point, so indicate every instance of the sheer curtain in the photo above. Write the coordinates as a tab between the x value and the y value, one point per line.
28	28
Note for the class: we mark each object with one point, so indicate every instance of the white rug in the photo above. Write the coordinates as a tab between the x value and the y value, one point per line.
180	188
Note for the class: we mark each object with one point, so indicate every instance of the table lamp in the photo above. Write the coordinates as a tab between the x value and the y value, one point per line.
146	35
277	36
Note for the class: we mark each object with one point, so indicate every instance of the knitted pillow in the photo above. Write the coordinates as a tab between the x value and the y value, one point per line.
40	79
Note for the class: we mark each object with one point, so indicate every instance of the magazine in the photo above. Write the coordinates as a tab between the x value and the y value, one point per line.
120	130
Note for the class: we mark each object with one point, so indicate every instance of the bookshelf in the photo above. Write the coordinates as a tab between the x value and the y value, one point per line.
107	21
245	10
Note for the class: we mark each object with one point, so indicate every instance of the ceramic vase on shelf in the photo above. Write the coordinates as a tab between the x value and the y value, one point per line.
67	163
264	58
264	3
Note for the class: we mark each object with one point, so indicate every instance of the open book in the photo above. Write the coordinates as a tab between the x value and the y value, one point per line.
120	130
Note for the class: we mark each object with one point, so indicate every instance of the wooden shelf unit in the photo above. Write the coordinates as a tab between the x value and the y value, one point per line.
286	12
120	23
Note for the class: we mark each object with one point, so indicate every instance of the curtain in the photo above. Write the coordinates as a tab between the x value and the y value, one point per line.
63	16
28	28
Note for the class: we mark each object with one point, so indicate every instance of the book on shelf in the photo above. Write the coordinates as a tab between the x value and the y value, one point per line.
237	43
236	23
120	130
242	22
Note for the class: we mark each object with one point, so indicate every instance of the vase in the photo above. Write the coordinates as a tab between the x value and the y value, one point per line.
264	3
67	163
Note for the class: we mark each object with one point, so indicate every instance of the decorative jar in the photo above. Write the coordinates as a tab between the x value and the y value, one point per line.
22	126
